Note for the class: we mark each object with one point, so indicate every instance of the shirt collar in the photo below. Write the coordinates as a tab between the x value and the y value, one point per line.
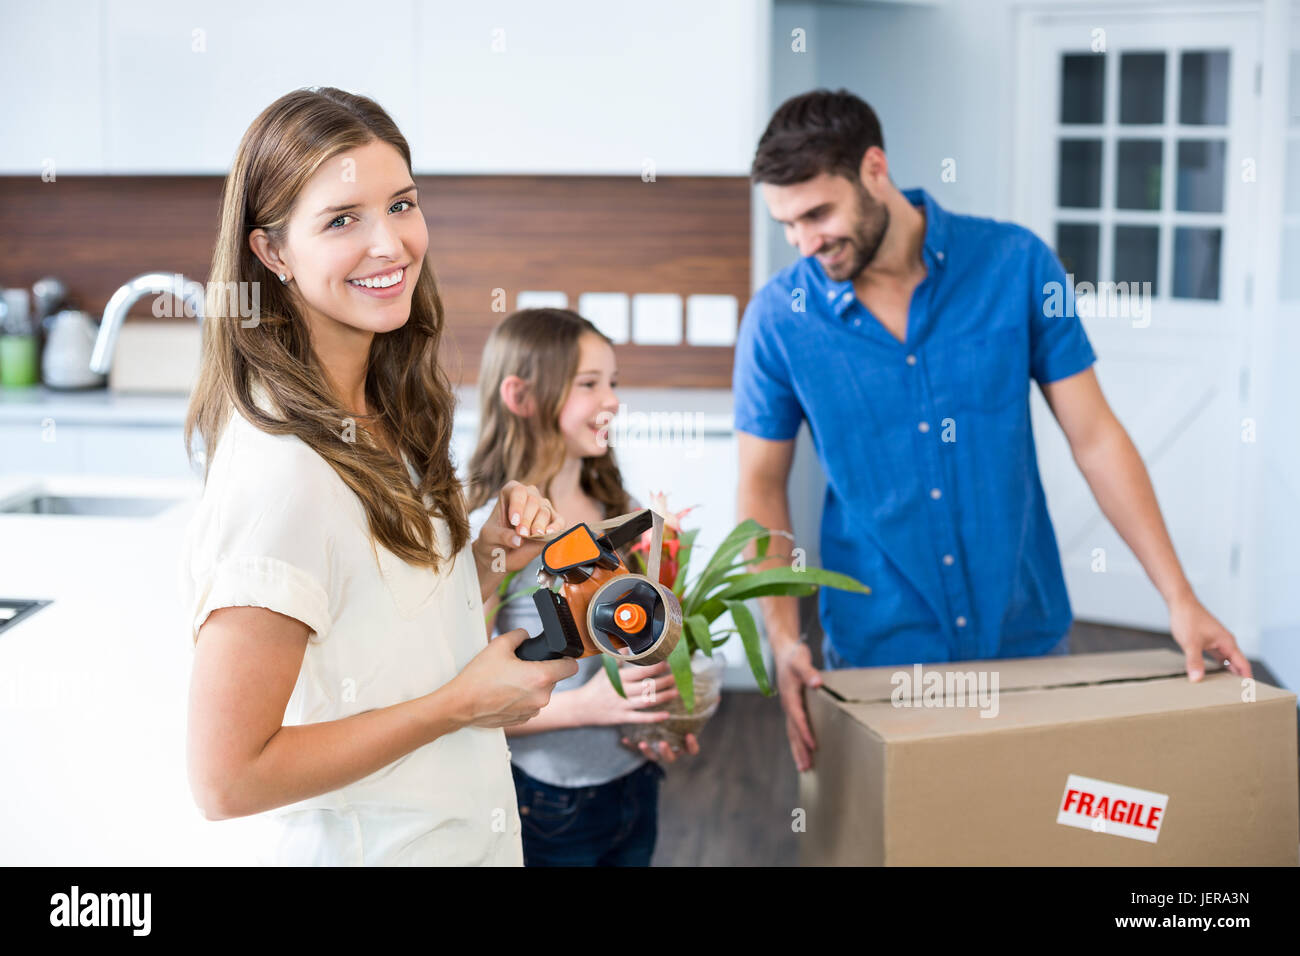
934	247
839	295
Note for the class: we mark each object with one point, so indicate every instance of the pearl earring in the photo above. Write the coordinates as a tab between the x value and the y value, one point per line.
282	278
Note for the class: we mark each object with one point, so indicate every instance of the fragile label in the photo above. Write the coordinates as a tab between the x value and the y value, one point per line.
1112	808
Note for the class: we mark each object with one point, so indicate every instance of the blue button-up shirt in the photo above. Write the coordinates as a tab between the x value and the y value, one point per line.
933	496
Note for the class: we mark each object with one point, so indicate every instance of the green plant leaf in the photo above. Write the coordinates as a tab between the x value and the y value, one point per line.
679	662
687	539
698	630
812	577
753	646
713	607
721	562
611	670
502	602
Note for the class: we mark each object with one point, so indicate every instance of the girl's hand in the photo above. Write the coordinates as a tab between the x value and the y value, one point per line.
512	532
497	689
665	753
598	704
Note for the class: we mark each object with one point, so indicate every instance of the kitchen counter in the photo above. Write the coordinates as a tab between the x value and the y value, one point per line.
711	408
90	406
93	696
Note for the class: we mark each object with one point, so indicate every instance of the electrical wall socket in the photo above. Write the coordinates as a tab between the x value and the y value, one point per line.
656	319
711	319
607	311
541	300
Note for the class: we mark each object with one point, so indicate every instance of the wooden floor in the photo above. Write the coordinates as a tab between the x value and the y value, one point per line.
731	805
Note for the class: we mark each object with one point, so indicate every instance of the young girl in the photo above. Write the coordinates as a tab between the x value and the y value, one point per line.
546	397
342	674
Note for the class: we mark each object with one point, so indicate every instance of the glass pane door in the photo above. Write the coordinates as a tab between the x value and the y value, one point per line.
1141	167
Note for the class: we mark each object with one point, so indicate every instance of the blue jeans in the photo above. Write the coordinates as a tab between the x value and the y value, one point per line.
612	824
833	661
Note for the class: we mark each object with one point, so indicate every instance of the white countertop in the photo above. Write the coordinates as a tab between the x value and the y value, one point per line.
711	408
93	693
90	406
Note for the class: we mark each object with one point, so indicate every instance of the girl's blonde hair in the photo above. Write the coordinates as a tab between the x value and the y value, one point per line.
406	389
540	346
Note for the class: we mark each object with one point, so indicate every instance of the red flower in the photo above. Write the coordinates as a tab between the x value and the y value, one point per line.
668	561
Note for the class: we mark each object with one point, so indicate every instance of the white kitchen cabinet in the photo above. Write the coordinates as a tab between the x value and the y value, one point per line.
51	63
153	451
36	450
183	80
572	87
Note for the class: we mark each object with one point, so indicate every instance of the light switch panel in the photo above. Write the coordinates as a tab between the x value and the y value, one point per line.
711	319
607	311
541	300
656	319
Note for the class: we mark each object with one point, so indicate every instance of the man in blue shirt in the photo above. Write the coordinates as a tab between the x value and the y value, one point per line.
906	336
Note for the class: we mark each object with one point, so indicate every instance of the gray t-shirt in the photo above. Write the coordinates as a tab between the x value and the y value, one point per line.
575	756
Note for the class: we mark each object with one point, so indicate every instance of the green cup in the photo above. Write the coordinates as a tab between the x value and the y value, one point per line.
18	361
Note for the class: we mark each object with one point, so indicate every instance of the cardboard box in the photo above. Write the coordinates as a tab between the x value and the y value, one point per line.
934	772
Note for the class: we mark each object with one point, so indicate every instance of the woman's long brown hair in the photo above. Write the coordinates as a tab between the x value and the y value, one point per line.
540	346
407	391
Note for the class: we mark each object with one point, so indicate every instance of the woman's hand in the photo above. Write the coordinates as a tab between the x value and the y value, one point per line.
497	689
511	536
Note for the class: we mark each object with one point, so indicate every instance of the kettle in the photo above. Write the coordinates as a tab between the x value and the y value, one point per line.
69	342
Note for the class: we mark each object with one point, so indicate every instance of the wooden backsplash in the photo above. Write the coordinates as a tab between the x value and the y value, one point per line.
572	234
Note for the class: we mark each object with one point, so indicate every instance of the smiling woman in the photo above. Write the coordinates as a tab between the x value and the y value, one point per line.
342	678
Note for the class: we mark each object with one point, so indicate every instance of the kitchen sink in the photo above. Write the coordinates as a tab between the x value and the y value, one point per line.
41	503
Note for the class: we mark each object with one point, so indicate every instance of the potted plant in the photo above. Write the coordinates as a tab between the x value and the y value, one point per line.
723	585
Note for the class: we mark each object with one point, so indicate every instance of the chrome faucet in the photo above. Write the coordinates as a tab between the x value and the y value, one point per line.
187	290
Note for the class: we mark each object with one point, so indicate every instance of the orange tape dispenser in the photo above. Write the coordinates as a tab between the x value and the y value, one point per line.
604	607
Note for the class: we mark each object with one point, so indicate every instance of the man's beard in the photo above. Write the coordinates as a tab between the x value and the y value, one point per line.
868	234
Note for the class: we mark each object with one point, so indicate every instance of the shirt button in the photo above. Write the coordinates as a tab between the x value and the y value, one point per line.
961	622
939	255
857	321
948	559
924	426
847	297
911	360
935	493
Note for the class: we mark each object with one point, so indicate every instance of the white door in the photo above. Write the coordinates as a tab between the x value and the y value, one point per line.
1135	144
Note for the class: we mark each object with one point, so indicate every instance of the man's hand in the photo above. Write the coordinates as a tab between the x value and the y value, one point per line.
794	672
1197	631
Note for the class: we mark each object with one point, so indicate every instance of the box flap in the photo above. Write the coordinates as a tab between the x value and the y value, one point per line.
1044	707
1013	674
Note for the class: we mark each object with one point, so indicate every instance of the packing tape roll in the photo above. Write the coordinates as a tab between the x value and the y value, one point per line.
668	637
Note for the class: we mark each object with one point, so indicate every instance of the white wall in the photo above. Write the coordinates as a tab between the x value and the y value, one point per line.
939	76
1275	568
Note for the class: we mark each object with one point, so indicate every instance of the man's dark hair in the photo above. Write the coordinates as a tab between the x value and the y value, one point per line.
814	133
